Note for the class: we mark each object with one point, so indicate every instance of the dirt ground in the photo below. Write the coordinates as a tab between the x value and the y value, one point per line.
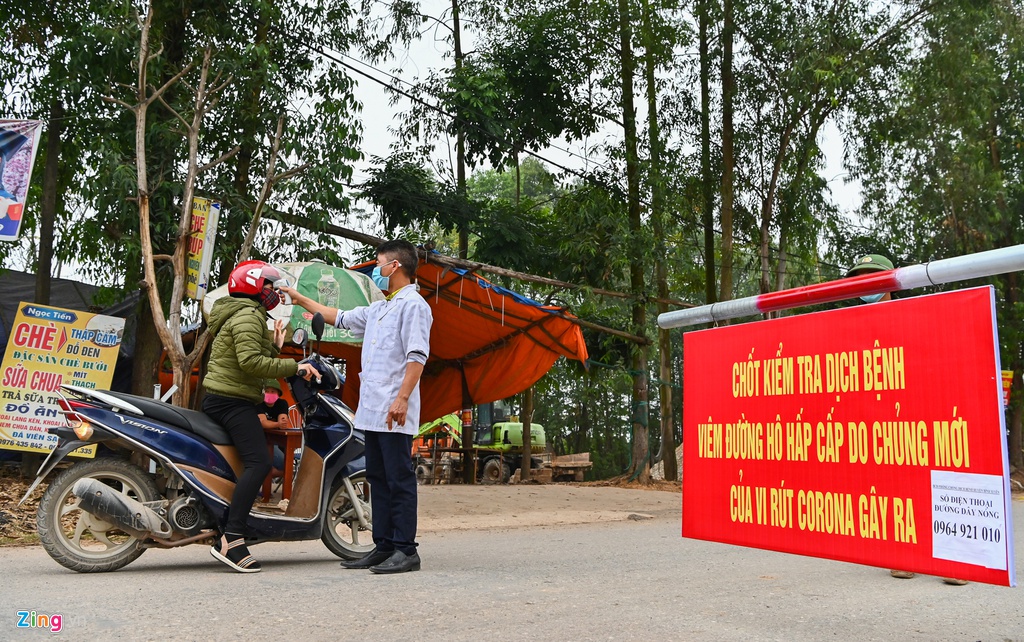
458	507
444	507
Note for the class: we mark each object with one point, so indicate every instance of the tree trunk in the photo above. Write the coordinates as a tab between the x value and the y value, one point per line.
641	464
146	355
1015	440
728	92
780	273
168	326
268	185
519	177
790	195
707	181
460	138
231	226
1016	444
768	208
48	208
641	468
468	453
585	429
524	467
252	126
661	254
1011	289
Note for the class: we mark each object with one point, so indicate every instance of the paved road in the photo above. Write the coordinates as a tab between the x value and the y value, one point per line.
627	580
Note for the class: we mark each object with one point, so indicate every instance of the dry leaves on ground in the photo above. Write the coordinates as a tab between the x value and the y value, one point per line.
17	523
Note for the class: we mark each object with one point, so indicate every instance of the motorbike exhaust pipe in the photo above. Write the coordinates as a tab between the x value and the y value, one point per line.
133	517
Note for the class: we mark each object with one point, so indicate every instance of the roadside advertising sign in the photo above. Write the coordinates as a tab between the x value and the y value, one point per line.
1007	385
201	238
48	347
871	434
19	140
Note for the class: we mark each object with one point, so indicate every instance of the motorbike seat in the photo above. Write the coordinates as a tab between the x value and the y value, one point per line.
190	420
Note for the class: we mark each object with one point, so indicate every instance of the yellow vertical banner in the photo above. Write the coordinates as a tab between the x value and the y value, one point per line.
49	347
201	238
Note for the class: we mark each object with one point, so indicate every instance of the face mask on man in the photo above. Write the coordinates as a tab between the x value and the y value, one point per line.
381	281
872	298
270	398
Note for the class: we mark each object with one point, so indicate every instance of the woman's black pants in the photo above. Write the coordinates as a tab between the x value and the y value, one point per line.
240	419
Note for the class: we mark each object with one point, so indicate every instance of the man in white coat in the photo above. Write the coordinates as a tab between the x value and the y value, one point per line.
396	344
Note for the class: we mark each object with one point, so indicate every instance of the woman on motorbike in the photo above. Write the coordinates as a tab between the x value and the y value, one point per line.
243	355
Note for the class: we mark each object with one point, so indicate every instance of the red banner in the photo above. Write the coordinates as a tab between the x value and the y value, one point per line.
872	434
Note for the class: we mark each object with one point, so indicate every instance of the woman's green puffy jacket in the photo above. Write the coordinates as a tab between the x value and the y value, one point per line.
243	355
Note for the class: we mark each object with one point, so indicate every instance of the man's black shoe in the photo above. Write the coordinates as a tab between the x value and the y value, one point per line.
372	558
399	562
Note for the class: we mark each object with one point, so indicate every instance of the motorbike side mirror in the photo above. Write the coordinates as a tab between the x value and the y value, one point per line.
299	337
318	325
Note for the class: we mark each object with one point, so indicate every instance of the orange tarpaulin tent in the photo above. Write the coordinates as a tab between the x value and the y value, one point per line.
486	343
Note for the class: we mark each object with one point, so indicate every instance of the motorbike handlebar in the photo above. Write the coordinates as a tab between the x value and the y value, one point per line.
329	376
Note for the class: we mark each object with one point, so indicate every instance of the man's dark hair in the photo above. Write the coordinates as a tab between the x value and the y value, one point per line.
404	251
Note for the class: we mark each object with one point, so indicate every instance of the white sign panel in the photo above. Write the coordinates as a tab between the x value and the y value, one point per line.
969	518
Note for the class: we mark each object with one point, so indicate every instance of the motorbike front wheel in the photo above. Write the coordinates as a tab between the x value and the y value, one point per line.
343	534
79	540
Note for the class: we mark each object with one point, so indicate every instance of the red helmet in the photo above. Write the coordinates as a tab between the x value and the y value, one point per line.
248	278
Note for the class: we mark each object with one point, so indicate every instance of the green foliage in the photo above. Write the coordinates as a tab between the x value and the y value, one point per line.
940	156
520	90
406	194
595	234
60	54
524	237
266	52
586	412
942	165
520	94
537	183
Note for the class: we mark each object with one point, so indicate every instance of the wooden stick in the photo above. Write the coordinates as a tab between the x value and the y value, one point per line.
447	261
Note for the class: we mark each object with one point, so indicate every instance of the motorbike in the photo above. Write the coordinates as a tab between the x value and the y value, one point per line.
167	474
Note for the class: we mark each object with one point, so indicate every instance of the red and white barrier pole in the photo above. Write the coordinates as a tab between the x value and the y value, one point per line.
960	268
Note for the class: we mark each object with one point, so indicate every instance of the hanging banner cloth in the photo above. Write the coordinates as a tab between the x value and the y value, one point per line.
486	341
19	141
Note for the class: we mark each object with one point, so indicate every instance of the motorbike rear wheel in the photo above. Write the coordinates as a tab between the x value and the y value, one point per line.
79	540
343	535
